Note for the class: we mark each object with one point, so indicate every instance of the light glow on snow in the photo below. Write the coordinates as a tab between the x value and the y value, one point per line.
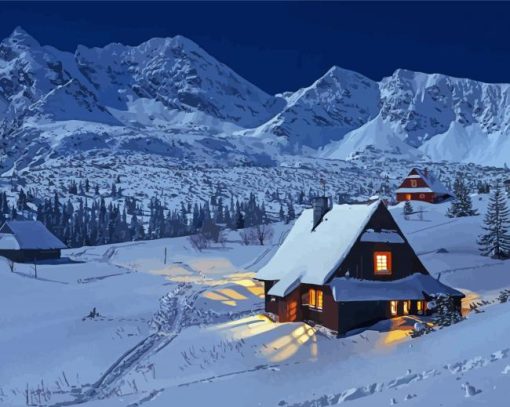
286	346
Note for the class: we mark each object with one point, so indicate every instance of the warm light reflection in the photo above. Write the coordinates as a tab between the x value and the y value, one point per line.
470	298
399	329
229	292
286	346
218	265
277	347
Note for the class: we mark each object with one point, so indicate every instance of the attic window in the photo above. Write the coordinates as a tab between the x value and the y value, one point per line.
414	183
382	263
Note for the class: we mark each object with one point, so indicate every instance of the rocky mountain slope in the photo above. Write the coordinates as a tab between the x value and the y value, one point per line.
168	97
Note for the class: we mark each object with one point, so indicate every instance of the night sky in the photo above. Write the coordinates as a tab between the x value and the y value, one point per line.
285	46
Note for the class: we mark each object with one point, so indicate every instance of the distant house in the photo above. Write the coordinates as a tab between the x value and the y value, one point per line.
28	241
347	266
422	185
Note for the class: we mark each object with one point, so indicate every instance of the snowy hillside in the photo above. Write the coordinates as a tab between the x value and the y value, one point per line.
167	96
190	330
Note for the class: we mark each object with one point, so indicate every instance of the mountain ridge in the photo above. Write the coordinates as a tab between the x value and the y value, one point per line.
169	91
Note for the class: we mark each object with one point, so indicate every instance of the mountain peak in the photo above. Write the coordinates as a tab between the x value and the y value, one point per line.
20	37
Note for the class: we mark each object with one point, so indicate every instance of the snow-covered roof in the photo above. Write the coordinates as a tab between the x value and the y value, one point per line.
285	286
412	287
310	257
29	235
430	179
416	190
384	236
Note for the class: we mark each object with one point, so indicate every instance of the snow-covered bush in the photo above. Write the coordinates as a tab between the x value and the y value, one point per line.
419	329
445	313
199	241
503	296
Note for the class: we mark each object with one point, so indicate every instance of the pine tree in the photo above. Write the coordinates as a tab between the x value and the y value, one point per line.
291	214
281	214
496	241
461	205
446	313
408	209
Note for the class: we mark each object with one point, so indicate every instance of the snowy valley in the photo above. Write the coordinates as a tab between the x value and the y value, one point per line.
115	325
163	132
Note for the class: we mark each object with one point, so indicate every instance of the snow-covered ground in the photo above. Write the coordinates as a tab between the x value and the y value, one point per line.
191	332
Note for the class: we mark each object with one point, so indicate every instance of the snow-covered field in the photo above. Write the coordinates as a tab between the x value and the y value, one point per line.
191	332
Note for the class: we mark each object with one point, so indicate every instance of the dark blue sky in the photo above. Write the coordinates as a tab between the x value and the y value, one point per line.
284	46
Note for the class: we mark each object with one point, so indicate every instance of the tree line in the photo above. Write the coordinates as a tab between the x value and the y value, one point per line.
90	222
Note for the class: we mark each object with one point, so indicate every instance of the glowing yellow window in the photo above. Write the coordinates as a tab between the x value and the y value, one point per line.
408	197
393	308
419	307
407	306
382	263
311	297
319	299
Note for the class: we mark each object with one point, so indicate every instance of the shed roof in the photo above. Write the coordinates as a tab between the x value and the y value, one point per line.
310	257
29	235
413	287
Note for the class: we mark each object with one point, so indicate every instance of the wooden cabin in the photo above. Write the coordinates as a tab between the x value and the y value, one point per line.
422	185
28	241
345	267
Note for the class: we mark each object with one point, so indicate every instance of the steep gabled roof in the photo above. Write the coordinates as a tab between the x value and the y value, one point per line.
311	257
433	183
28	235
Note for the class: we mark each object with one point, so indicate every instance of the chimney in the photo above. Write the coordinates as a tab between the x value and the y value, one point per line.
320	206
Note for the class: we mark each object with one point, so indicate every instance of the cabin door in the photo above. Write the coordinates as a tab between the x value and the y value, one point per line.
292	309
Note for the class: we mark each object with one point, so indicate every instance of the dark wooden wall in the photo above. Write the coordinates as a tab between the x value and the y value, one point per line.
29	256
429	197
354	315
328	317
360	260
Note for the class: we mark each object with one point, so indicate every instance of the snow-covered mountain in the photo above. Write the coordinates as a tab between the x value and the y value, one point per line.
168	96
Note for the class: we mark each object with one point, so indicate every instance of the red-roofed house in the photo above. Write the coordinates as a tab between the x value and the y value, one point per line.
422	185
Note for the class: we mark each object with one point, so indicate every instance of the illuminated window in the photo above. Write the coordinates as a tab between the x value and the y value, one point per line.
319	299
311	297
407	306
408	197
414	183
315	298
382	263
419	307
393	308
